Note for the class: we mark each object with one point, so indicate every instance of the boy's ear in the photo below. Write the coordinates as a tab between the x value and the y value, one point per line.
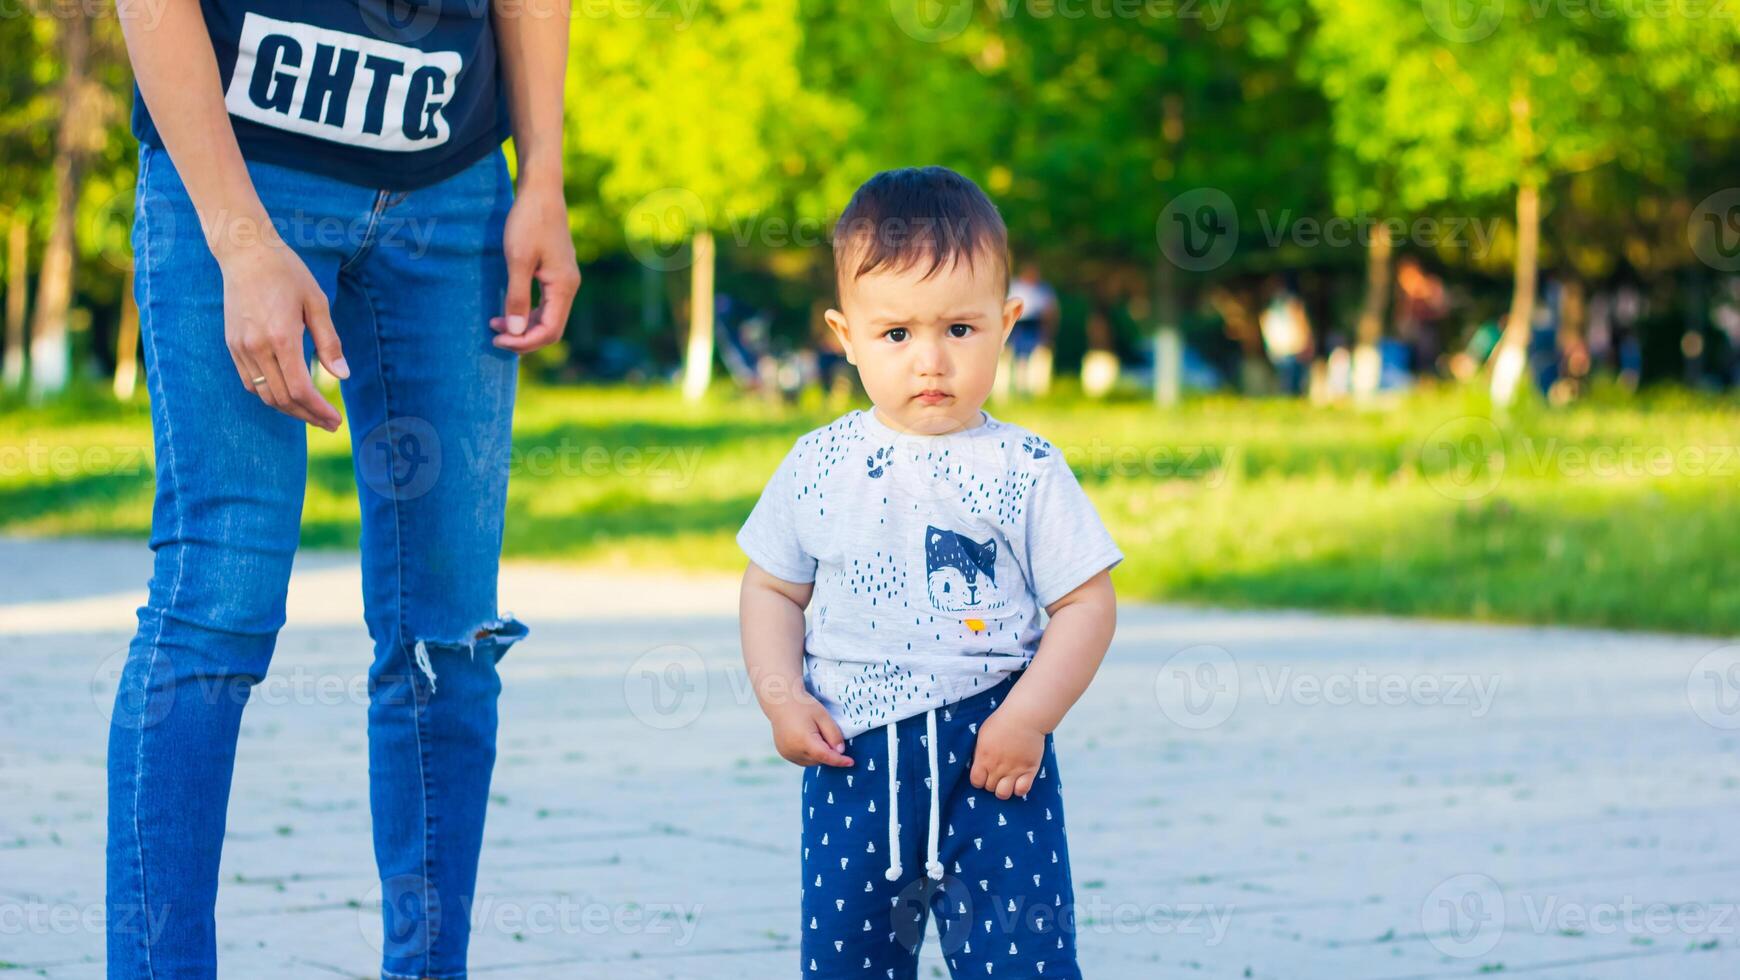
837	323
1012	308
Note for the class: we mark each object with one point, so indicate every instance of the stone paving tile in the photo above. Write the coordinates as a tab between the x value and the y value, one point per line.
1233	811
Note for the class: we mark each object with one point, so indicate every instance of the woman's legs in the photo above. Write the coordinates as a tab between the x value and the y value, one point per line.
430	407
230	481
414	279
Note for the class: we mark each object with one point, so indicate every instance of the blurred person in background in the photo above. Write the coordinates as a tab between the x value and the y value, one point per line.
1286	336
1726	316
1421	306
1099	363
1034	337
834	372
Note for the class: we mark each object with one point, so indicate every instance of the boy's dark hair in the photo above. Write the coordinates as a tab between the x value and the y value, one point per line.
901	218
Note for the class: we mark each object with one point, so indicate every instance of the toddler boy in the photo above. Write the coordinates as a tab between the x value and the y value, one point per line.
923	537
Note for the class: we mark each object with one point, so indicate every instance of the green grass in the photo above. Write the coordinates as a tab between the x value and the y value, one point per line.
1618	512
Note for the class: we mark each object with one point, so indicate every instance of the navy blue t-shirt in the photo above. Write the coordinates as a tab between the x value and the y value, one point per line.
390	94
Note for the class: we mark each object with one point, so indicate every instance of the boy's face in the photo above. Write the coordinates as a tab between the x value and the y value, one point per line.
927	348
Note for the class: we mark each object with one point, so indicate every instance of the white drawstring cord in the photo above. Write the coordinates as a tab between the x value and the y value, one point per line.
932	865
894	870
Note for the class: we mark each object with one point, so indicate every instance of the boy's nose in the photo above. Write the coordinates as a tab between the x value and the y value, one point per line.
931	360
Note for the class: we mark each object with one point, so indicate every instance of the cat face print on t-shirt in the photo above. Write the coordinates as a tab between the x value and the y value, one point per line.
961	573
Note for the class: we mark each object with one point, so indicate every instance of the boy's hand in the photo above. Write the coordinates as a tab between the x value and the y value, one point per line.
804	733
1007	755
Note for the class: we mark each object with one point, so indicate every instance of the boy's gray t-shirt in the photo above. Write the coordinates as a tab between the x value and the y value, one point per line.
932	557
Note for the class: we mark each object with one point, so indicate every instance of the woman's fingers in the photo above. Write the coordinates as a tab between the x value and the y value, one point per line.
264	362
303	395
246	370
517	307
558	282
298	385
326	346
257	358
534	337
270	299
544	330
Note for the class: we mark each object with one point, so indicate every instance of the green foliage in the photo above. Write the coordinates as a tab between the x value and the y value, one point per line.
1615	513
707	117
752	117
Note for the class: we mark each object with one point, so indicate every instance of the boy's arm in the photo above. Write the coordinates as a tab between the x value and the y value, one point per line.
771	620
1012	741
1069	655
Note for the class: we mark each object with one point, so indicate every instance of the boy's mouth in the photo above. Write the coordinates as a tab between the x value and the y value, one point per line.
933	396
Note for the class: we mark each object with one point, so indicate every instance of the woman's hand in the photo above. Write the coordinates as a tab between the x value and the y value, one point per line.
270	298
537	245
269	295
1007	755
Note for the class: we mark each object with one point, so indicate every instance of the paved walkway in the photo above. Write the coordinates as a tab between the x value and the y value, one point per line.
1266	795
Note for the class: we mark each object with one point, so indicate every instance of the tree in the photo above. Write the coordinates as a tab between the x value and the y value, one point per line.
698	128
1084	129
79	132
1461	110
27	113
63	80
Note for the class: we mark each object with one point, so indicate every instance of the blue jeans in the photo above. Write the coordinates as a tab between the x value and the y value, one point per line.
412	279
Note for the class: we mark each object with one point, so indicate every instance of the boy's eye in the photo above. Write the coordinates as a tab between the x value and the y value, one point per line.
960	329
897	335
